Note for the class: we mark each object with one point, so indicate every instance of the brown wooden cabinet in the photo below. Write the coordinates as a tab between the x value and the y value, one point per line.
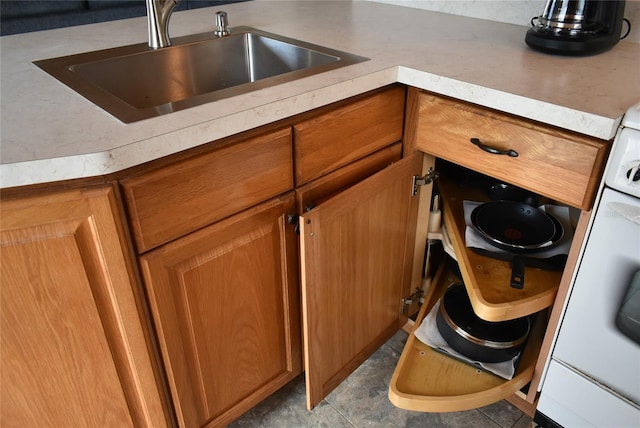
333	139
226	306
220	262
73	347
559	165
220	266
220	258
169	202
357	250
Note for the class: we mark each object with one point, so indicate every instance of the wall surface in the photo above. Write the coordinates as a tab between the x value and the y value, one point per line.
510	11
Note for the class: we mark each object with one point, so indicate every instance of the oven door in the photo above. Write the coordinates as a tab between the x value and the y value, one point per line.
590	345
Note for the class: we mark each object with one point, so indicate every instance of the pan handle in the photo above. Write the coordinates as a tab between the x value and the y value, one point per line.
517	272
493	150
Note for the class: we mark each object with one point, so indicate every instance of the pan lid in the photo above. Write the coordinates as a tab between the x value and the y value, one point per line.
457	311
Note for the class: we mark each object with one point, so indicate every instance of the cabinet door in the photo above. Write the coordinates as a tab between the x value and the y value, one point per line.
226	305
357	253
73	347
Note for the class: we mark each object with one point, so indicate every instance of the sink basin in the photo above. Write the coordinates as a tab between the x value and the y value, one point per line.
135	82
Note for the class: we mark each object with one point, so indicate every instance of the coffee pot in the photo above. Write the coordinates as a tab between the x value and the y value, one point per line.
577	27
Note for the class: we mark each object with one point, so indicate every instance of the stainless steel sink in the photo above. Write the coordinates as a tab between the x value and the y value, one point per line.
135	82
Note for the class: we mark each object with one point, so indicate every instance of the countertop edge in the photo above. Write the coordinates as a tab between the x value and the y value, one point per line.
53	134
123	157
106	162
550	114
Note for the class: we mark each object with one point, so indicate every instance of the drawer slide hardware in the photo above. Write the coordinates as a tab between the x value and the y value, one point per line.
428	178
408	301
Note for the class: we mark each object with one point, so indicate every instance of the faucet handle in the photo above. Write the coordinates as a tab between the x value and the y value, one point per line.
222	24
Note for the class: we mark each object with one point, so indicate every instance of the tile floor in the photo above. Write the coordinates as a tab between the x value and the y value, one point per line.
361	401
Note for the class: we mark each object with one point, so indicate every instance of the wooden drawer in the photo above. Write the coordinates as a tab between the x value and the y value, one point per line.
329	141
558	164
170	202
312	194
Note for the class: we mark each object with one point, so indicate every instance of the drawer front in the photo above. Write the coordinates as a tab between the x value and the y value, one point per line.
314	193
329	141
560	165
167	203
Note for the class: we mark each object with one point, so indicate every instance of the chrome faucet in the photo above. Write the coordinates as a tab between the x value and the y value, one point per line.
158	14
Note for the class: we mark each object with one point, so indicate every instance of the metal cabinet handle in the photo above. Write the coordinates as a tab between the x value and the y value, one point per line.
493	150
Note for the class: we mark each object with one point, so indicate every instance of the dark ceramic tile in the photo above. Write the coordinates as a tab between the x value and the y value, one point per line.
524	422
503	413
398	341
287	408
362	401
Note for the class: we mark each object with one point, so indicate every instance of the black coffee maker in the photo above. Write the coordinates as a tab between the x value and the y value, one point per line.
577	27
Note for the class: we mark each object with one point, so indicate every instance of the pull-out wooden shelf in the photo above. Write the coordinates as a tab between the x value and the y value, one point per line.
487	279
426	380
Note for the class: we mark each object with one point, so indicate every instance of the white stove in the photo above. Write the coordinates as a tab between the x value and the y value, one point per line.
593	376
624	164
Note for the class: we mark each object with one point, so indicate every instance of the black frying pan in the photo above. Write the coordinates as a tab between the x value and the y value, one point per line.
514	226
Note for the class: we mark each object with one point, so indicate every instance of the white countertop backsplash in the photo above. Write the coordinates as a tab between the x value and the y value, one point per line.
49	132
517	12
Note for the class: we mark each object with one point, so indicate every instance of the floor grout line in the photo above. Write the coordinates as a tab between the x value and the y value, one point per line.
359	403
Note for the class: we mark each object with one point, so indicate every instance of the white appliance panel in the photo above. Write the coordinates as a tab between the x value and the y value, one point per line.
575	401
589	339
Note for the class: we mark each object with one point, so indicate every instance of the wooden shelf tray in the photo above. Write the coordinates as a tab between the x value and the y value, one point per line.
426	380
487	279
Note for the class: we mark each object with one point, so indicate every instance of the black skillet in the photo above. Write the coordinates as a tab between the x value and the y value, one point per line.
514	226
523	213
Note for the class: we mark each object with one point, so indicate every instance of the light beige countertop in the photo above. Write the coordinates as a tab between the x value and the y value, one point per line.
49	132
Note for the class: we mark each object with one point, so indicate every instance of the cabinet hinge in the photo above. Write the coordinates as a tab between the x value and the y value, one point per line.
294	220
428	178
408	301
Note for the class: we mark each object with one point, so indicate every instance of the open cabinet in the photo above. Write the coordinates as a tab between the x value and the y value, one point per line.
562	168
362	254
356	252
427	379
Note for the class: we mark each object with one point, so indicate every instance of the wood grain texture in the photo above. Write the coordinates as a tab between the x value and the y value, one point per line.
320	189
225	301
486	279
428	381
73	349
355	270
170	202
338	137
560	165
412	110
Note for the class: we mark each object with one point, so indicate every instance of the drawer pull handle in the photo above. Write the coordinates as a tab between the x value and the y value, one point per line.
493	150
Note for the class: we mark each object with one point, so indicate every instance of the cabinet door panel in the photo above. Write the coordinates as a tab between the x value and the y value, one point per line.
226	307
357	252
73	350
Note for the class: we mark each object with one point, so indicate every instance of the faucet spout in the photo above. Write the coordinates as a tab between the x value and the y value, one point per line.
158	14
